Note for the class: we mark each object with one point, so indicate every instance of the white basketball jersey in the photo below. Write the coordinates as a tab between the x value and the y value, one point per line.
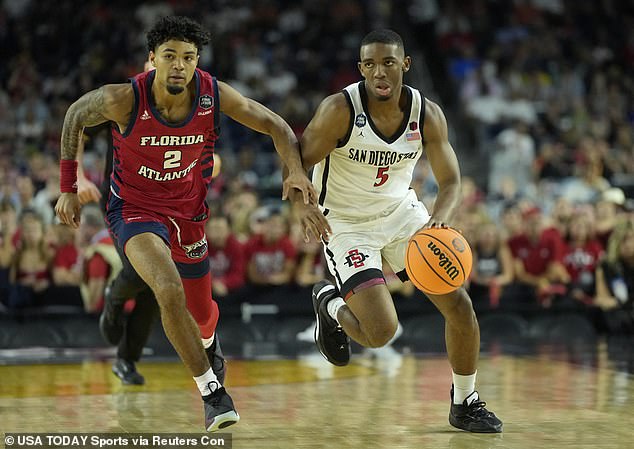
369	172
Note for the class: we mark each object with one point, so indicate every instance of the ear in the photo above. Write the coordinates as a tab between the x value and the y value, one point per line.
360	70
151	59
407	62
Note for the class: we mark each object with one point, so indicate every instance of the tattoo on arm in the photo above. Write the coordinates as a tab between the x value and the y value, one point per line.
87	111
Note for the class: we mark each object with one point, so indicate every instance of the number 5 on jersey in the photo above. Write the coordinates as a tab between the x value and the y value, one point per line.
172	159
381	176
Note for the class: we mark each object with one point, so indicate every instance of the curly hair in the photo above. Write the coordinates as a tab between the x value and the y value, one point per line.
179	28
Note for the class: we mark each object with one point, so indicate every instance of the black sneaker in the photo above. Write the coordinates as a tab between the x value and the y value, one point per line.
332	341
473	417
126	371
219	410
112	319
217	360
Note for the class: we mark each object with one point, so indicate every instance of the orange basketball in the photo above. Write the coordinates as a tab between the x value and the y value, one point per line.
438	260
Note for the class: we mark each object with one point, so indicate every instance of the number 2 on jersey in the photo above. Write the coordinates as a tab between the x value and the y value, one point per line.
381	176
172	159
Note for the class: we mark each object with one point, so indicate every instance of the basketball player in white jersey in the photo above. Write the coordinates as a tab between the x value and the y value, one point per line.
364	143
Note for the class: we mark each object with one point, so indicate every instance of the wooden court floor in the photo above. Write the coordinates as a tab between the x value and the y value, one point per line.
387	401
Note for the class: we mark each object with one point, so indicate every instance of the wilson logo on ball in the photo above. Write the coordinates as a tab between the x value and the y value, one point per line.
443	261
438	260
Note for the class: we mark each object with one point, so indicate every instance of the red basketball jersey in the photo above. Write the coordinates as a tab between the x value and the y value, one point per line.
166	167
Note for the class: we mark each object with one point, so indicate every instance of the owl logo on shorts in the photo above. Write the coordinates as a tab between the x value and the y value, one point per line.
196	250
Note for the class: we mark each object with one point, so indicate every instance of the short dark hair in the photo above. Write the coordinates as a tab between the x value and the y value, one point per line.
179	28
383	36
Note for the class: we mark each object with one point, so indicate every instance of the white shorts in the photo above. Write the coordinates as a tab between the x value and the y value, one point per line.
357	245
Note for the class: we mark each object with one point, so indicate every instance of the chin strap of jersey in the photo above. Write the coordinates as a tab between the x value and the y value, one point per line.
68	175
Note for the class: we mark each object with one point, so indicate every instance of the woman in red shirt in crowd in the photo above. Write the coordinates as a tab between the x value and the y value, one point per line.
581	256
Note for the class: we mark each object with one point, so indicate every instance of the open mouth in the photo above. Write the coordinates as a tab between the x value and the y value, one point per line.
382	89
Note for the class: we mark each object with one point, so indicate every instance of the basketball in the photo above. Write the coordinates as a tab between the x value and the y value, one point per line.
438	260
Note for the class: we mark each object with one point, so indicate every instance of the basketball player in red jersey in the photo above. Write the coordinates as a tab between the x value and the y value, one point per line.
164	125
364	143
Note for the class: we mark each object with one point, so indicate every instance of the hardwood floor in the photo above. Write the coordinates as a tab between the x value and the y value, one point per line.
384	401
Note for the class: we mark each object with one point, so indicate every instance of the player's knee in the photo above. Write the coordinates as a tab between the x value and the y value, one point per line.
381	334
169	294
461	311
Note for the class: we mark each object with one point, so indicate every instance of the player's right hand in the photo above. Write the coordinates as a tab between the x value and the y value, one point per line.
313	222
87	191
67	209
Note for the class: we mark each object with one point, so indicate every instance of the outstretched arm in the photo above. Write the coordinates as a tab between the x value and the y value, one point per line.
256	116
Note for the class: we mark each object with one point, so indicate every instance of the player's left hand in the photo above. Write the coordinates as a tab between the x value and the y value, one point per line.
299	180
313	222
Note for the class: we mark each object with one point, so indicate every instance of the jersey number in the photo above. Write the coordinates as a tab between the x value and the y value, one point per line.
172	159
381	176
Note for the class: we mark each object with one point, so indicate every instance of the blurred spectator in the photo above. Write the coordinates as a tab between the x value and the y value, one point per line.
538	257
582	253
607	212
226	256
238	208
23	195
270	255
44	200
615	280
66	270
100	261
8	239
615	275
492	267
562	213
310	265
516	155
588	185
30	268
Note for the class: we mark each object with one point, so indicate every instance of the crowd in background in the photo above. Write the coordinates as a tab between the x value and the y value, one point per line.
545	87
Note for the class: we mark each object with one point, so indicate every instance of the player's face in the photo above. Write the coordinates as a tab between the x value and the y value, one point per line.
382	66
175	63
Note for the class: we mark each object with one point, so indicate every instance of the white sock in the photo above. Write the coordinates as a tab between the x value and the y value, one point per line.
333	307
207	342
207	383
463	387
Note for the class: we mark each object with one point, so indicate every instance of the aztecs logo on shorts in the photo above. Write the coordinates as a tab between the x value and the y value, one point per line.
196	250
355	258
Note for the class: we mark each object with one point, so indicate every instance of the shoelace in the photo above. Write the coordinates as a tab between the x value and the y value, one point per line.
477	408
215	398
